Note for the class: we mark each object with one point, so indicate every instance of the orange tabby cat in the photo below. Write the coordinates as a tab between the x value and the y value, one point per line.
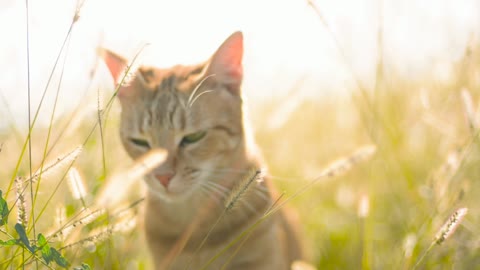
204	187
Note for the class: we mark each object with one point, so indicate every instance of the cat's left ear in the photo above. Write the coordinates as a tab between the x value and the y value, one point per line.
226	63
115	63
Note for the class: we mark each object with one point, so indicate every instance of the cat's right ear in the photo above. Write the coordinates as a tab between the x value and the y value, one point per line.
115	63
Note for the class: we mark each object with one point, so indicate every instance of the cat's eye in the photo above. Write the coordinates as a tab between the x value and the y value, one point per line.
140	142
193	138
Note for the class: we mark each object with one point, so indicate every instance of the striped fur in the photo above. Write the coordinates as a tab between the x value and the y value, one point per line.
161	107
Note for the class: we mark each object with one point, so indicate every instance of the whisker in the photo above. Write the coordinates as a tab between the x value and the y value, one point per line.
242	171
215	190
261	193
207	192
192	98
249	206
219	186
223	191
229	170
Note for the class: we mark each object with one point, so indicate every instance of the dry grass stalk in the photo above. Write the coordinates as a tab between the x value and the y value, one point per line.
91	240
334	169
60	218
125	220
103	233
450	226
22	203
344	164
76	184
469	109
100	101
113	192
129	75
441	178
57	165
78	8
125	225
445	232
409	244
129	71
312	4
63	233
233	197
338	167
239	190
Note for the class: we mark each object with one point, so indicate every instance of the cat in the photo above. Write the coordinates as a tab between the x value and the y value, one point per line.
196	114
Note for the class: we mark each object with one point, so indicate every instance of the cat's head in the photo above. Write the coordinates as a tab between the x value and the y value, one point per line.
194	112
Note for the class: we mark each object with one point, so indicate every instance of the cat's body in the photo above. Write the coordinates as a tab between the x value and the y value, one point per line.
196	114
269	246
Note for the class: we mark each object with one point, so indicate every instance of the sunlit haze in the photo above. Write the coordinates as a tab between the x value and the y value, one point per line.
285	42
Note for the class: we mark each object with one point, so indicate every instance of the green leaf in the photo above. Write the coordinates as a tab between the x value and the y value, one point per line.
7	243
23	237
44	248
3	210
58	258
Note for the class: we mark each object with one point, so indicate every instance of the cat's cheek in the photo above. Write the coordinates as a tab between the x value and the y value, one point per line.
133	152
225	148
177	187
127	146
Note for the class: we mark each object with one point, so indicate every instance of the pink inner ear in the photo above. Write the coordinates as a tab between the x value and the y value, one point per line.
115	63
227	61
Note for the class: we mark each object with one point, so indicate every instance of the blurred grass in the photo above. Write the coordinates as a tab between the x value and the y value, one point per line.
426	167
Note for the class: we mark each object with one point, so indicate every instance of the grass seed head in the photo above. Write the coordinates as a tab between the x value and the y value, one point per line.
240	188
342	165
113	192
79	223
57	165
22	217
469	109
409	244
450	226
76	184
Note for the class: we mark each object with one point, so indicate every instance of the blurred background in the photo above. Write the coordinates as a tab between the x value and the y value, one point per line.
286	41
322	78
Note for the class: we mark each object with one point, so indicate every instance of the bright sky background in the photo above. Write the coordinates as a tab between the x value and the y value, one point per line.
285	42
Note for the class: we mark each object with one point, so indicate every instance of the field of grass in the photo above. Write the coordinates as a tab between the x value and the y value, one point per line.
387	212
426	168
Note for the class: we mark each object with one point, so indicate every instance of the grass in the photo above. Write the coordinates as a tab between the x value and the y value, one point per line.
418	178
404	209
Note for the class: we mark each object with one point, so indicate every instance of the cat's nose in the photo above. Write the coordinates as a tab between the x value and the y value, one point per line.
164	179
